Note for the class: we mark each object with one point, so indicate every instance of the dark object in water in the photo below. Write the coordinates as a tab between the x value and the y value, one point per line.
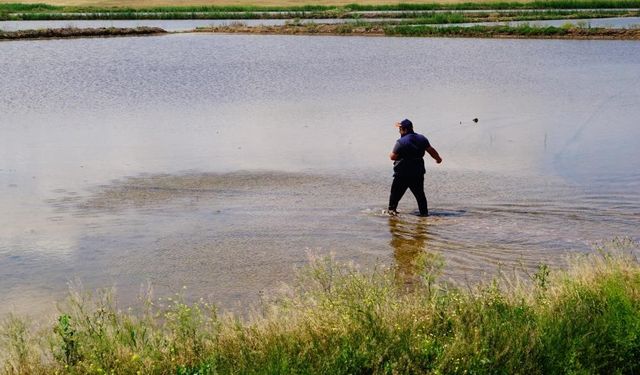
475	120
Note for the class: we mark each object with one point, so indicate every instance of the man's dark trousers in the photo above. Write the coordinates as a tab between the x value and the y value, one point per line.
415	184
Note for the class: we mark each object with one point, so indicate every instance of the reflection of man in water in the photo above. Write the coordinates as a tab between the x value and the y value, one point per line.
408	166
409	243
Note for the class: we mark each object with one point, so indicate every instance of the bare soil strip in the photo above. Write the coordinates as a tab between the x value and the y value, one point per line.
79	33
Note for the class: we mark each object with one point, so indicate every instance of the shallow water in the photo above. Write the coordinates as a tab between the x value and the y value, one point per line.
187	25
220	162
168	25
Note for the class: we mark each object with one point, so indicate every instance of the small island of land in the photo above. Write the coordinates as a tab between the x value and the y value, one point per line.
524	31
79	33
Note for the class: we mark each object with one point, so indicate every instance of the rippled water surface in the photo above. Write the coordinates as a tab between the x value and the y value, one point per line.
219	163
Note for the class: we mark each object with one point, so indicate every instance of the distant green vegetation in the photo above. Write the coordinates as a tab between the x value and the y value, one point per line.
19	7
361	28
567	31
339	320
551	4
19	11
473	31
408	17
141	16
450	18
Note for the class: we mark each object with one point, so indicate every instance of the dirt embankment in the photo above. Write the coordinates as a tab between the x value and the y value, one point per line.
305	29
463	32
622	34
525	32
77	33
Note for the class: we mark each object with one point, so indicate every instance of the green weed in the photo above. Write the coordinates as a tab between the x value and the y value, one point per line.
524	30
338	319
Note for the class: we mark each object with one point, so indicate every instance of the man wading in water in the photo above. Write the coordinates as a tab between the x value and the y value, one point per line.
408	167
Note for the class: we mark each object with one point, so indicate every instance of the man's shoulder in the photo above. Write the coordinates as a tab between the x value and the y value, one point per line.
421	137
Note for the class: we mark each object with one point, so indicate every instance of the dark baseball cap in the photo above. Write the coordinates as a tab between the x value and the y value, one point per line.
406	124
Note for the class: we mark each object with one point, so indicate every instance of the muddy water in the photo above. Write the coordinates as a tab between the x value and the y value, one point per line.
219	163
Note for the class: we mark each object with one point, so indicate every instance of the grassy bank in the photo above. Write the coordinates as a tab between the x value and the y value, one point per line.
413	17
353	29
316	6
363	28
339	320
522	31
78	33
450	18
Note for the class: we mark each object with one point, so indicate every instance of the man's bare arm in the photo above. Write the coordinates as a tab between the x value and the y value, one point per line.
393	156
434	154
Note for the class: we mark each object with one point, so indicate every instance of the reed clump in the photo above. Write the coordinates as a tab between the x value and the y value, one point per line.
520	31
340	320
478	31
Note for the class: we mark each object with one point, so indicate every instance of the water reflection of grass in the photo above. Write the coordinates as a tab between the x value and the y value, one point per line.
341	320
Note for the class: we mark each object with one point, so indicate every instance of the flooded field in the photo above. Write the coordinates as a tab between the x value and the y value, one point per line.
168	25
219	163
187	25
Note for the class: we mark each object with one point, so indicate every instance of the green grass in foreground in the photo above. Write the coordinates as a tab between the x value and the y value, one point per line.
339	320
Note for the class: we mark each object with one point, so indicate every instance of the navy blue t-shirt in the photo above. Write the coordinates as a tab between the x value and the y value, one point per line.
410	149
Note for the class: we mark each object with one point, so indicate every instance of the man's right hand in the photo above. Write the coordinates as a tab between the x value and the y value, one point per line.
434	154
